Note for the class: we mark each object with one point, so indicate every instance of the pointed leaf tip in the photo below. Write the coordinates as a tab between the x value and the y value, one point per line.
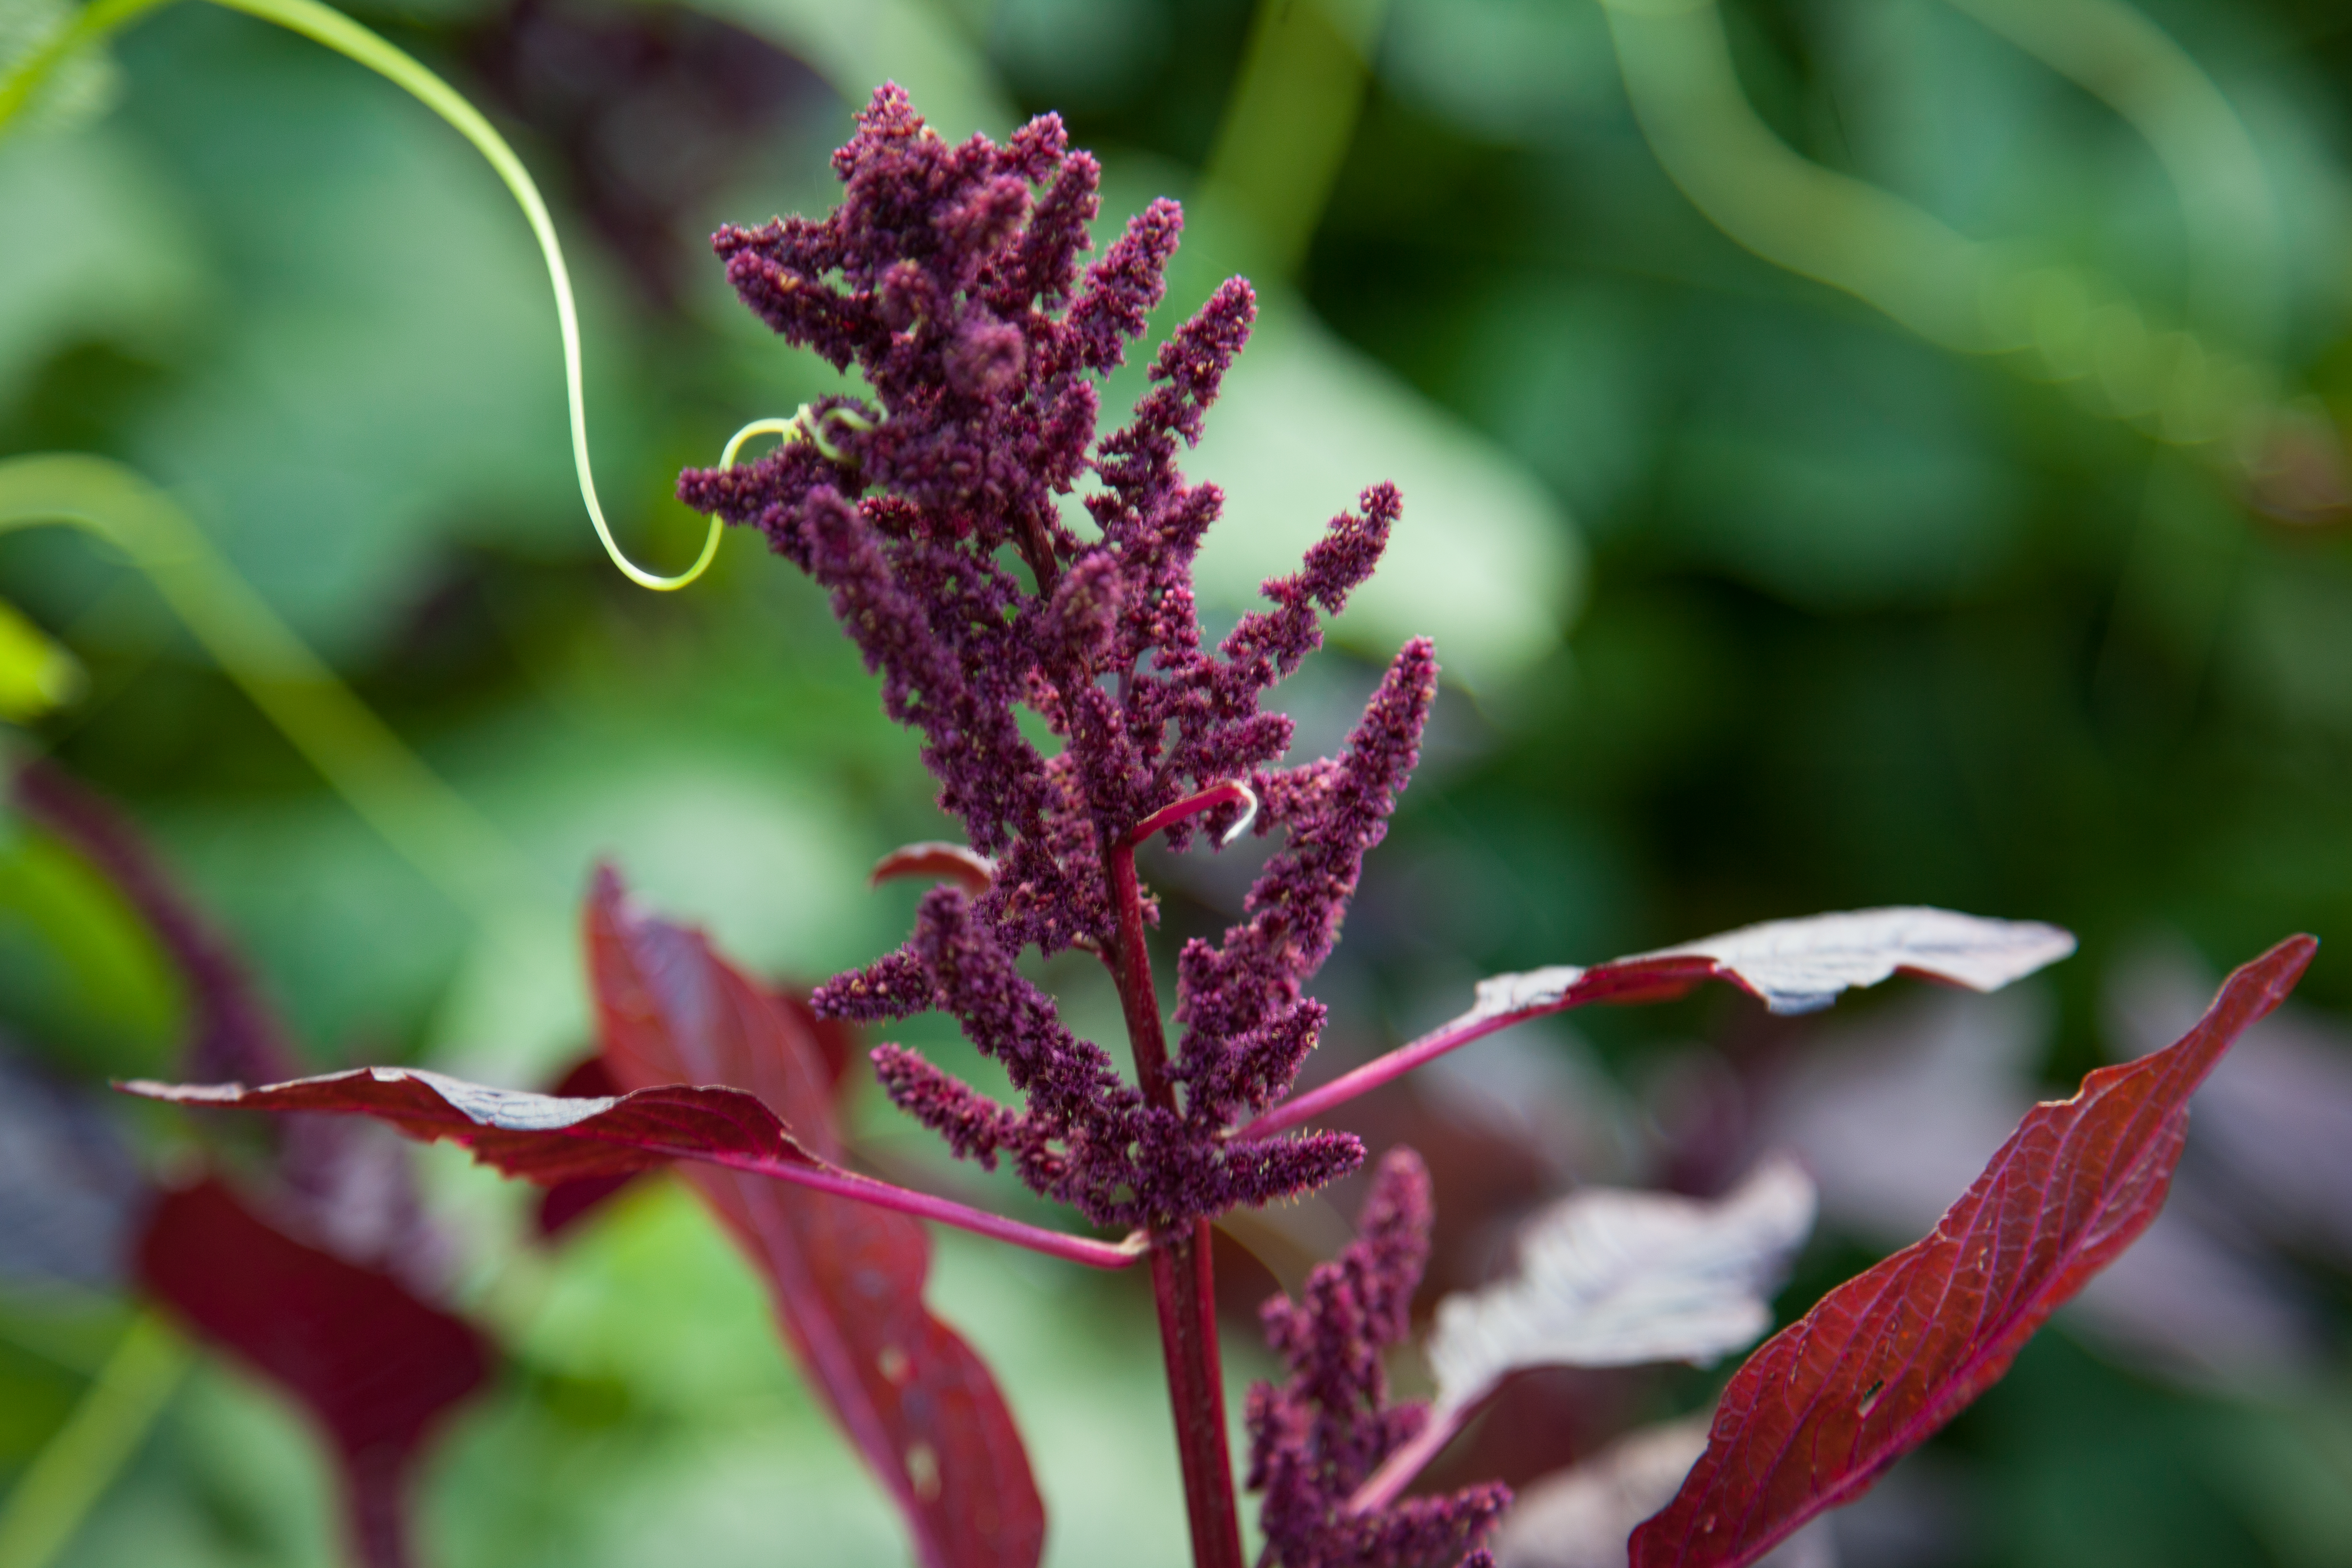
540	1137
1886	1359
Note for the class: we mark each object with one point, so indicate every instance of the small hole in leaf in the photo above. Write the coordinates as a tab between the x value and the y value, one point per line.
893	1363
923	1470
1870	1397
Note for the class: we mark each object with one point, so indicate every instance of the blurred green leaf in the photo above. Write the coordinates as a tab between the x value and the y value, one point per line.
83	196
84	981
37	674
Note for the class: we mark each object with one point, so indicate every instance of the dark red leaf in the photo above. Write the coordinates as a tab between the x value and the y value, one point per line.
535	1136
957	863
551	1141
375	1365
1887	1358
847	1278
566	1203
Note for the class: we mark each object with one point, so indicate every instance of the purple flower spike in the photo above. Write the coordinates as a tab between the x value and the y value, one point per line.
1317	1436
955	279
1336	811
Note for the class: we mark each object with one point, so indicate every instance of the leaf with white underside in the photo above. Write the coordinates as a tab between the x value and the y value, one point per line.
1791	966
551	1139
1802	966
1610	1277
537	1136
1885	1360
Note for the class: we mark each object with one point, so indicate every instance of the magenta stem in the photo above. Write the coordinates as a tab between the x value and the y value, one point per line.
1657	978
1183	1288
946	1211
1192	805
1184	1281
1306	1107
1385	1485
375	1506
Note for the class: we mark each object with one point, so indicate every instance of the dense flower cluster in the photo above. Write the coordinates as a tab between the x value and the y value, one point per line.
951	277
1320	1434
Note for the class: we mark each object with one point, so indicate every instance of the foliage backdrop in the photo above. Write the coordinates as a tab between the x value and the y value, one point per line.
1756	601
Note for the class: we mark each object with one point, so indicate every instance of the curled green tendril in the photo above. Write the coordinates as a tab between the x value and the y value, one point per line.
324	24
806	424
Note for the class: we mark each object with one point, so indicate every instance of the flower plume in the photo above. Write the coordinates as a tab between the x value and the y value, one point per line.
941	517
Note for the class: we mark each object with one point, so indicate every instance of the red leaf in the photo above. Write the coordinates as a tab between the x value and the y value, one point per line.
553	1140
566	1203
536	1136
1791	966
373	1364
1800	965
1890	1356
847	1278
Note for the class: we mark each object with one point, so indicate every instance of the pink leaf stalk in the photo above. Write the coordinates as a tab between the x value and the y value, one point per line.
548	1140
1791	966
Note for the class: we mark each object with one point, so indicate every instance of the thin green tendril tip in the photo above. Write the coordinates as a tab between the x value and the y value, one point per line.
806	424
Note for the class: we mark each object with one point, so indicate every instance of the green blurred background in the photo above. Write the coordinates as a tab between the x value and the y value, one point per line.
1854	452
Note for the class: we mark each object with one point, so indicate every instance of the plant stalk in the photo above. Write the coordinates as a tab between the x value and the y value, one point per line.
1183	1284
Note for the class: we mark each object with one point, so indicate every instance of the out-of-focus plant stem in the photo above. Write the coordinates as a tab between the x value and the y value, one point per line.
1286	130
2119	57
69	1475
2189	390
88	25
427	822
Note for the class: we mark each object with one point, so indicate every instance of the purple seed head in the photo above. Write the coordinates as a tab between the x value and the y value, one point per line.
940	515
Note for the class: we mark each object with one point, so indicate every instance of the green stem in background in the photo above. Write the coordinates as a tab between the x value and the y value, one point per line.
416	812
69	1475
91	24
1957	293
326	26
1286	127
2114	53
